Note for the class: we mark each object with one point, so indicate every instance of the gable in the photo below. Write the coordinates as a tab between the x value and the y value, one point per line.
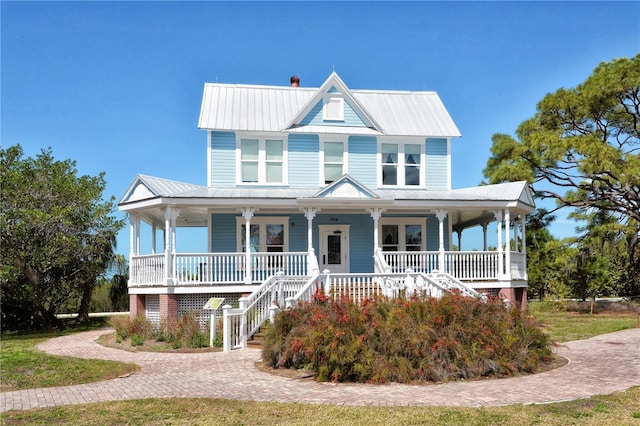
316	117
346	187
138	191
333	105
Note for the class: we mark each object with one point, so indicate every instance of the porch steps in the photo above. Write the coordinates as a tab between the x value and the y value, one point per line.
257	340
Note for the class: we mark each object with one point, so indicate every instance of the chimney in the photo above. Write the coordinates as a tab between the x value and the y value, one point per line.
295	81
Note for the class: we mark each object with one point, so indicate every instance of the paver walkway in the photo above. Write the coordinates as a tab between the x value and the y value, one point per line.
600	365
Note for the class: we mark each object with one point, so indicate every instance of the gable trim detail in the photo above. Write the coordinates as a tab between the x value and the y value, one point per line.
342	91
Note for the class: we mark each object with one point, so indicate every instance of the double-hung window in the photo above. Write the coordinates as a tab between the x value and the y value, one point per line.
334	163
262	160
401	164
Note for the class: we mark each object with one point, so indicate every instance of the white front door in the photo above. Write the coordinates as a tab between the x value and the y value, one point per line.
334	248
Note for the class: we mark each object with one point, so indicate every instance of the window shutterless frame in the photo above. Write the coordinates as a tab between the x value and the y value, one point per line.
261	159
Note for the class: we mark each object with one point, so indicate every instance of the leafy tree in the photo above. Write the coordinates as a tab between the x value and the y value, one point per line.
57	236
581	149
546	266
119	284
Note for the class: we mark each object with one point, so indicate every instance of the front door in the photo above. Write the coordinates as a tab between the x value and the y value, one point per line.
334	248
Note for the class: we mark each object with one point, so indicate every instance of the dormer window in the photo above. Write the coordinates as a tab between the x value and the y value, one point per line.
333	107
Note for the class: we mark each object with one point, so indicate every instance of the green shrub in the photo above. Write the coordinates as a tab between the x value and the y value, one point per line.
405	340
126	327
137	339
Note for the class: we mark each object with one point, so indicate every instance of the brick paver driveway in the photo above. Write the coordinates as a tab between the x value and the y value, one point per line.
600	365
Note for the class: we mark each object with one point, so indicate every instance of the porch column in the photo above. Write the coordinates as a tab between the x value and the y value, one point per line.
247	213
167	247
484	236
134	222
498	216
170	216
137	248
310	213
441	215
459	232
516	231
376	214
312	264
154	230
507	245
523	222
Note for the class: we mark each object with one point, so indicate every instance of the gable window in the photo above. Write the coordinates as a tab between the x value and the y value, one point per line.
262	161
401	234
401	164
333	107
333	161
267	234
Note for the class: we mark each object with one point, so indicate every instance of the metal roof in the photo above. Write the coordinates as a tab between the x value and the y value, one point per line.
164	188
274	109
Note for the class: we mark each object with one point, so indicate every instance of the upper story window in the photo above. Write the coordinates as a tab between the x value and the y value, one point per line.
401	164
262	160
333	157
333	107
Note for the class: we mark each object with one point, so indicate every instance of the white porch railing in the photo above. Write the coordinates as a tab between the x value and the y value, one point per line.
147	270
217	268
418	261
230	268
264	265
472	265
209	268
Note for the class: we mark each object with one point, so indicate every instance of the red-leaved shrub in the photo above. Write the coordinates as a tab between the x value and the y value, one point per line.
405	340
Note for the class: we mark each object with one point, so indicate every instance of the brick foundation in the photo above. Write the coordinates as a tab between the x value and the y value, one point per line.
517	296
169	309
136	305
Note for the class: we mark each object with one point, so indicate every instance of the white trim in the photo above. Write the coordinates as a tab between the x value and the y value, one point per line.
262	161
345	155
402	142
209	177
448	163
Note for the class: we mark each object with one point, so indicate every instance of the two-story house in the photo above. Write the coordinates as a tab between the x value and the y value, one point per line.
307	181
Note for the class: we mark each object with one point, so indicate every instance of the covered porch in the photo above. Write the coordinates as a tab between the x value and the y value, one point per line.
392	231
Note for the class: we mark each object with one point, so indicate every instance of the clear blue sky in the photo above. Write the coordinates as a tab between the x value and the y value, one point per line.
117	86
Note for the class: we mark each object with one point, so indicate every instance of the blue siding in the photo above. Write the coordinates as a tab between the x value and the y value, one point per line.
304	160
360	238
436	164
223	159
362	159
223	229
297	232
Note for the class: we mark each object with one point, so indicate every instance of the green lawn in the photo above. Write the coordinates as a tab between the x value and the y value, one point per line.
22	366
565	326
621	408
